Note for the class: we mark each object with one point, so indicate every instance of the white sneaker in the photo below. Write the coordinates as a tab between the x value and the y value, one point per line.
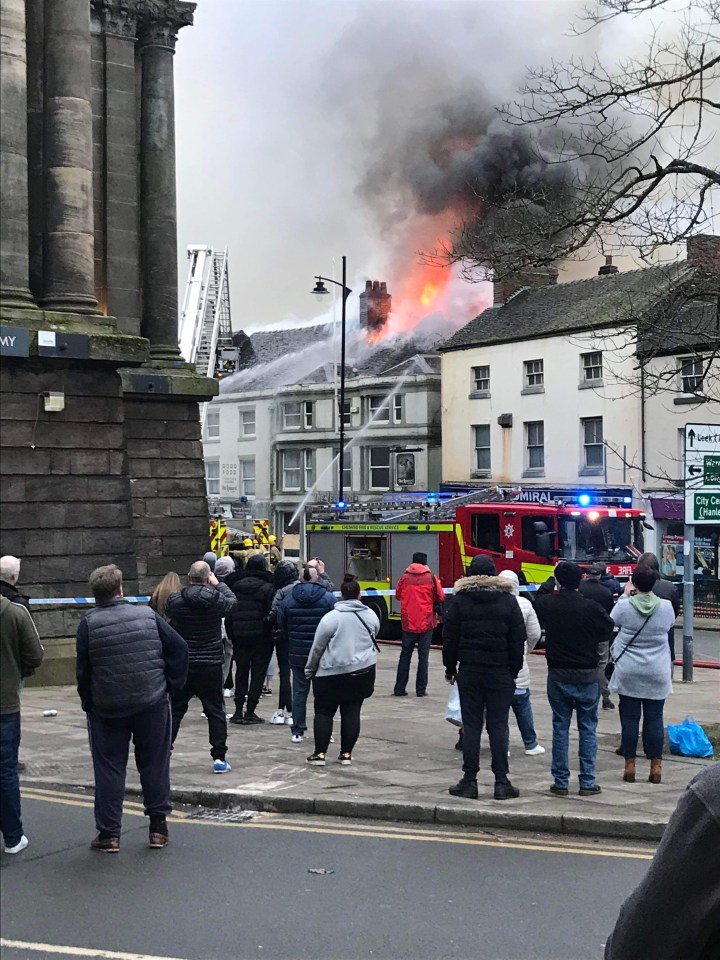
297	738
278	717
288	721
536	751
20	845
228	693
332	739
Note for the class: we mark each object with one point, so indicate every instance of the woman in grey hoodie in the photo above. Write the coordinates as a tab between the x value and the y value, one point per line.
342	667
642	675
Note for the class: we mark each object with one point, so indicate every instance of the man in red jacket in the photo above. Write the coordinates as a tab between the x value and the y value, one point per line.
419	593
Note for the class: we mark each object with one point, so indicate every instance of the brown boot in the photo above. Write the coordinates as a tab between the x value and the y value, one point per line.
629	775
655	771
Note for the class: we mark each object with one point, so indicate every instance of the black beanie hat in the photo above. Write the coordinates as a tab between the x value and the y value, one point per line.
568	574
482	566
256	562
420	558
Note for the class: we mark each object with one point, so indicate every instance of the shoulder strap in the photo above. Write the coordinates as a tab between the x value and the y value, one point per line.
636	634
372	635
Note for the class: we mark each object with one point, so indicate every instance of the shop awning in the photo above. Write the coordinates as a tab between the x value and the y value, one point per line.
667	508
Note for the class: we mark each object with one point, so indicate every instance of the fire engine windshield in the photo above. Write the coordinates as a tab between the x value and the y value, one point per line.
611	539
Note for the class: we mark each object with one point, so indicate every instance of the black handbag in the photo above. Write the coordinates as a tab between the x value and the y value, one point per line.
439	602
610	665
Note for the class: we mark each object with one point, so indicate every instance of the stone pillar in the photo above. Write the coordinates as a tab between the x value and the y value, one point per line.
14	289
68	249
158	217
36	107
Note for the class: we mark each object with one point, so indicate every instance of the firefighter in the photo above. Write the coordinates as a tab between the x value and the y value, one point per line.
274	552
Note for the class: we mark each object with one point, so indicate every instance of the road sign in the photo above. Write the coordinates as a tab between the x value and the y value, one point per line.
702	473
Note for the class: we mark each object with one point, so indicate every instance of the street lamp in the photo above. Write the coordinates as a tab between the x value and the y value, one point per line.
320	291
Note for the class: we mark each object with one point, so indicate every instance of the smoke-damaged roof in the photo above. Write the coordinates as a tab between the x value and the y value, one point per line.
304	355
271	344
597	302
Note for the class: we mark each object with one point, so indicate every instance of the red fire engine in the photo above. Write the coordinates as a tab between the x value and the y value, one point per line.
376	542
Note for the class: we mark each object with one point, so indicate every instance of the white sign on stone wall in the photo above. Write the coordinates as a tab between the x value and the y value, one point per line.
229	479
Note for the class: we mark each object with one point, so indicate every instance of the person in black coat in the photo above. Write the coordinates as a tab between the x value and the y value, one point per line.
484	632
197	612
574	628
592	588
298	616
250	632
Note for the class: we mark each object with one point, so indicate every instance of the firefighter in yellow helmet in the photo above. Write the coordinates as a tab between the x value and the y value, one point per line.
274	552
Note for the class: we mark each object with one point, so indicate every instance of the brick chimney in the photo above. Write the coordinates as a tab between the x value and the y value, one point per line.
608	268
375	306
532	277
703	251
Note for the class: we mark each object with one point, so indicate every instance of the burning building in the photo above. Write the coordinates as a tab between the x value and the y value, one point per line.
375	307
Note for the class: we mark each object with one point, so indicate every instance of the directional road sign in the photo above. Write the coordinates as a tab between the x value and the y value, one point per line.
702	473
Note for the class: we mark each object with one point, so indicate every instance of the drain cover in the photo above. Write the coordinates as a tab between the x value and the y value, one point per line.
224	816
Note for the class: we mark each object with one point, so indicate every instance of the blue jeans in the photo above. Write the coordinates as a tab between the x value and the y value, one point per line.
522	708
653	729
300	691
409	641
583	698
10	817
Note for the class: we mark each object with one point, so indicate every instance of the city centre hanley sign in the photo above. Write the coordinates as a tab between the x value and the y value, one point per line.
702	473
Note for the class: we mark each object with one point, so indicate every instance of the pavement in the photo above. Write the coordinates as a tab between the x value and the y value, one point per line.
294	887
402	766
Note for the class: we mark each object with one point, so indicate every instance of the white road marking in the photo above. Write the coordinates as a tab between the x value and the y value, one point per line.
63	951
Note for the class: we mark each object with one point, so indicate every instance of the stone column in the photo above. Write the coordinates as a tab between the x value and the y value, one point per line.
36	108
14	289
68	249
158	217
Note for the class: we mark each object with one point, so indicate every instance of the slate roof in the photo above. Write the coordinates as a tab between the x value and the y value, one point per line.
271	344
565	307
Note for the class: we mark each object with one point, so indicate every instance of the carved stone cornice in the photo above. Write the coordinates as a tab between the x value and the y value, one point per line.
160	21
119	18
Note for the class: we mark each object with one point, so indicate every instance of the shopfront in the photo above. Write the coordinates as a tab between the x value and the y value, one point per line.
668	515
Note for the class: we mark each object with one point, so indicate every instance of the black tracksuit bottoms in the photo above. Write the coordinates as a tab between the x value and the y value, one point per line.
205	682
110	748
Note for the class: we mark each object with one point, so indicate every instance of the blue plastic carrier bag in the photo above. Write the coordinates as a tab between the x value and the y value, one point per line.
688	739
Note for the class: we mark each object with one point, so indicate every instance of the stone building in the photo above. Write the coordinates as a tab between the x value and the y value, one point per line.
101	455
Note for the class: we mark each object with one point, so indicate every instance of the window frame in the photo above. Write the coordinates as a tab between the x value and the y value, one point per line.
243	479
208	479
477	379
308	414
284	469
530	374
380	466
347	414
586	366
215	415
347	467
683	363
398	408
593	443
531	447
477	468
284	414
308	468
384	405
242	412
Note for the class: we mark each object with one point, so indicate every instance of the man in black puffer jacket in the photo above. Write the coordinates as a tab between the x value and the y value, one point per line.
484	631
298	616
197	613
128	659
250	632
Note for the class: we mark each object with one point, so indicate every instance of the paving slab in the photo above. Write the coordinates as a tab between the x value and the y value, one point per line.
402	766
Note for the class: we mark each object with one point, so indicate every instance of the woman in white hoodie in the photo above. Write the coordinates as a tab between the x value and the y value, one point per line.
342	667
522	708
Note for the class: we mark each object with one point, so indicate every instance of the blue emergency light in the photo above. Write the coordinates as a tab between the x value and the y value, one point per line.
584	499
341	505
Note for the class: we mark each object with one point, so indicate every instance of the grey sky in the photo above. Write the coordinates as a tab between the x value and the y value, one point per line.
285	106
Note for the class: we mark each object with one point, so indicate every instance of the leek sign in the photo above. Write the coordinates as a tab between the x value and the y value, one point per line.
702	473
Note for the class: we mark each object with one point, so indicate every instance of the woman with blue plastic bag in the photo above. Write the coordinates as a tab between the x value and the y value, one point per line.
642	670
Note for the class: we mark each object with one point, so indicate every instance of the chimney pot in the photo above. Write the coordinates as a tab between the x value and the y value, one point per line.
609	268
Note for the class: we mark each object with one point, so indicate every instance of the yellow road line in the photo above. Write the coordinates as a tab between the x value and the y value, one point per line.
381	833
65	951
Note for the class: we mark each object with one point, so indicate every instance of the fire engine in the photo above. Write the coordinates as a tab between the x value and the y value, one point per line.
376	541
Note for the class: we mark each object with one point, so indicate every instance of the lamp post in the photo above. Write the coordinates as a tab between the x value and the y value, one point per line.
320	291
